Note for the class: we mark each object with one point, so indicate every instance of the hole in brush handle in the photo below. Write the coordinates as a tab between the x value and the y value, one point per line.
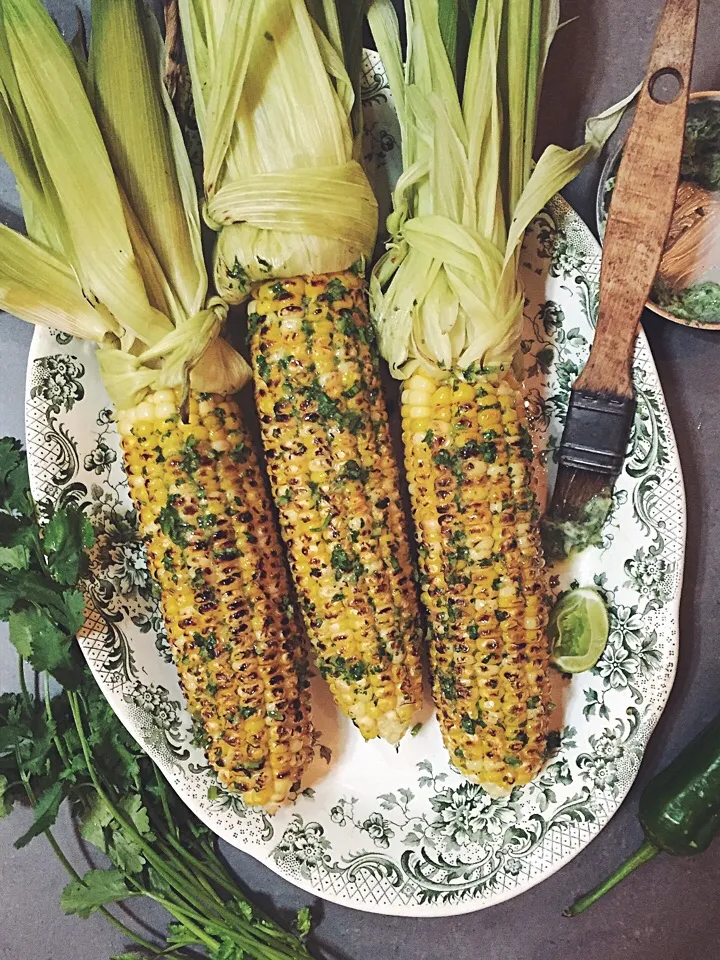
665	85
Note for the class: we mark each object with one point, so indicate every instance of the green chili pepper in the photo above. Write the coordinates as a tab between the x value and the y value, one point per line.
679	810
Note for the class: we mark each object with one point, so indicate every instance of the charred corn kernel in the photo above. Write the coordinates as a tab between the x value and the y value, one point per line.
483	579
214	550
335	484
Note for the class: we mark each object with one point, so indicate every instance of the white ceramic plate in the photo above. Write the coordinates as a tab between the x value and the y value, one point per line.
401	833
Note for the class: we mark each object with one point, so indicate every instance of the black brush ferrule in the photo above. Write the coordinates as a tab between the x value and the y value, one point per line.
596	433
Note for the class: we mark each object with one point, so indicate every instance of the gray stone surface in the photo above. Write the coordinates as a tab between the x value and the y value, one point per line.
667	910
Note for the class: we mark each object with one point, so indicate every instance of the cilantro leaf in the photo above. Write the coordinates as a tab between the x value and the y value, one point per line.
31	587
303	922
14	479
100	828
38	640
243	908
38	750
8	599
173	525
5	802
96	889
110	740
21	630
126	853
14	558
133	808
17	498
11	456
66	537
228	950
75	606
16	531
62	756
96	817
45	814
123	848
26	738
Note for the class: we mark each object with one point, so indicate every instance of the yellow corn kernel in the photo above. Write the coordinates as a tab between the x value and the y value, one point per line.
485	584
335	483
442	397
206	517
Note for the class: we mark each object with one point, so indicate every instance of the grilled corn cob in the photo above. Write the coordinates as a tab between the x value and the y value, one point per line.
482	573
335	483
213	548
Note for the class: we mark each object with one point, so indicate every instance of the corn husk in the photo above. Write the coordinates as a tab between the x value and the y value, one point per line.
113	252
38	286
446	295
79	198
277	112
138	128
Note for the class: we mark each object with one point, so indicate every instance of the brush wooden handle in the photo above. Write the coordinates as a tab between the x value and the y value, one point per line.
642	203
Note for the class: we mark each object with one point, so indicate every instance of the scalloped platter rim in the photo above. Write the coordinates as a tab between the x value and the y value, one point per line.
403	834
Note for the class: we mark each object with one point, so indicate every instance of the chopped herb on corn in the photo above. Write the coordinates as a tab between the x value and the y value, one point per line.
205	515
335	482
482	575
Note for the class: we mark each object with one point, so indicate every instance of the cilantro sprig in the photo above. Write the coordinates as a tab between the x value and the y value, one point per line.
39	572
71	747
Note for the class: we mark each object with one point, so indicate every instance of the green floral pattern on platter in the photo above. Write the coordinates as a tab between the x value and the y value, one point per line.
401	833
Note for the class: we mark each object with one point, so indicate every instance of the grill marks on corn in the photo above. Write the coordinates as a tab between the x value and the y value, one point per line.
335	483
213	548
482	574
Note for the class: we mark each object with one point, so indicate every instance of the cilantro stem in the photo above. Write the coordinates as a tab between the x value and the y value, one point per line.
71	747
224	878
194	870
23	684
207	846
186	918
172	826
238	935
213	868
219	875
190	869
51	720
71	871
180	884
173	850
40	553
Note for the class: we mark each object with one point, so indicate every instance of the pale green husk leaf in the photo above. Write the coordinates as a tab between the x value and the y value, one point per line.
275	104
116	262
73	166
446	295
127	374
136	129
556	167
38	286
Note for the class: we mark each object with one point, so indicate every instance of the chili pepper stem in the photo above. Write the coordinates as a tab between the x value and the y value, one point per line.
646	852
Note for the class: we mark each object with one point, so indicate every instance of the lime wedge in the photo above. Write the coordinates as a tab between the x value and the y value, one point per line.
578	630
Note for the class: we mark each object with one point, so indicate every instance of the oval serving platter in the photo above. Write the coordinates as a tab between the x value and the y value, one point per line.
386	832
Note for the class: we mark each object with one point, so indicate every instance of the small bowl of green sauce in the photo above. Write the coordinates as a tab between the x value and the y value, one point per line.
687	285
